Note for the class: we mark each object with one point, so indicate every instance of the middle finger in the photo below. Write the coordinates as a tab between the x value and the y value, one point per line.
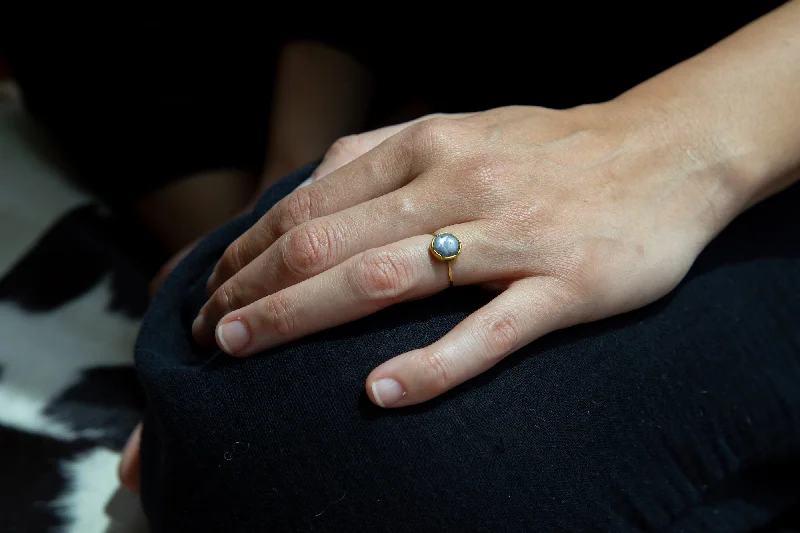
360	286
325	242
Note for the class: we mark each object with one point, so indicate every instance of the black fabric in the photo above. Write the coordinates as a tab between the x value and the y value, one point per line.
682	416
142	100
139	101
559	55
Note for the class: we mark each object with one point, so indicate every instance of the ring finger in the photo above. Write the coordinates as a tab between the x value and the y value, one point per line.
323	243
360	286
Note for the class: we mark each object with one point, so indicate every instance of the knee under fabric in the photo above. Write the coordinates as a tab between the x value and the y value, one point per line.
681	416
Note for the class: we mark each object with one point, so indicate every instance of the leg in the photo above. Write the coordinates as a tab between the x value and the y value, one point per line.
684	415
167	119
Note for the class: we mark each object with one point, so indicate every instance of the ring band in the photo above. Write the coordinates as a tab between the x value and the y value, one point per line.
445	247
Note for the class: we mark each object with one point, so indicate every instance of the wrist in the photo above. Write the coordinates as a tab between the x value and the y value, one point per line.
736	102
721	166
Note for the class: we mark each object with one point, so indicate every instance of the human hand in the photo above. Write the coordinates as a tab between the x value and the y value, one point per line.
573	215
346	149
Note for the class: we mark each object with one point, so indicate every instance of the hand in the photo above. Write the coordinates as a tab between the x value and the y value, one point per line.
573	215
352	147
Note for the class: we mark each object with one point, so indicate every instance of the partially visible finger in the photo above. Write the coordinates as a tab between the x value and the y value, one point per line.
527	310
129	463
305	182
387	167
325	242
167	268
360	286
348	148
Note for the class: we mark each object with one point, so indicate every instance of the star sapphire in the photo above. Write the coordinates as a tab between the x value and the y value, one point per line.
446	246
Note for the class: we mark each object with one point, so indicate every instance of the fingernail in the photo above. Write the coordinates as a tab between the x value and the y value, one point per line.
198	324
233	336
387	392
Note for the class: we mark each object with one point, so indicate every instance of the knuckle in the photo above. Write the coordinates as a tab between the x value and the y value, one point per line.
488	178
437	369
278	315
308	249
404	208
342	147
297	208
226	298
436	125
501	335
233	259
382	275
377	166
435	134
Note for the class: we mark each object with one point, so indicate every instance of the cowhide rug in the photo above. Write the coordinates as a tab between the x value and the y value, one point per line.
72	290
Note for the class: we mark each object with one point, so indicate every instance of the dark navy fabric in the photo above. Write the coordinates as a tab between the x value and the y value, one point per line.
682	416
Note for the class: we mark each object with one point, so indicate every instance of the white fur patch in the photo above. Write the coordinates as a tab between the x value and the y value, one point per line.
43	353
92	485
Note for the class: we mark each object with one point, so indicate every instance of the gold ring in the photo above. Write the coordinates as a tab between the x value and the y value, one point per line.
445	247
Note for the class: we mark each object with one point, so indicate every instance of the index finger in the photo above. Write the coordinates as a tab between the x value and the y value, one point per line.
387	167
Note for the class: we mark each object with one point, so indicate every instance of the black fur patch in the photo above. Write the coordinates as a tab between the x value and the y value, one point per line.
74	254
108	399
32	479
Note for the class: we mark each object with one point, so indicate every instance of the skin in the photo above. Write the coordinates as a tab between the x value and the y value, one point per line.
320	94
571	215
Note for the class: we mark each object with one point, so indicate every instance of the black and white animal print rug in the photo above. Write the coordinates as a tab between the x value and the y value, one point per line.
72	291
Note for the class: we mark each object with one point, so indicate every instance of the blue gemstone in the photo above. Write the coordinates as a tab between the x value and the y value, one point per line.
446	244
